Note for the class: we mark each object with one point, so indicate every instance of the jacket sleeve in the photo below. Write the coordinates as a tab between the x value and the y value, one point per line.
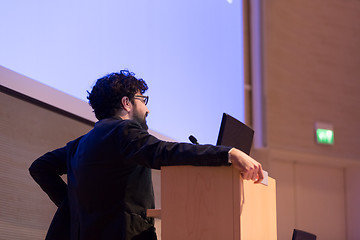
46	171
143	148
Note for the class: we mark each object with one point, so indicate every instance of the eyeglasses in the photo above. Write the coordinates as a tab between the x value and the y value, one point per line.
144	99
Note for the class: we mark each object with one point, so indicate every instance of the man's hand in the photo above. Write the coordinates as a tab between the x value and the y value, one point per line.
248	167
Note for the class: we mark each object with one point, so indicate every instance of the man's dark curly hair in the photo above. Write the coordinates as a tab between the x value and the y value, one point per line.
105	96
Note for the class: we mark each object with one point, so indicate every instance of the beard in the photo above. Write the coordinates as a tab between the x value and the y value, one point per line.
141	120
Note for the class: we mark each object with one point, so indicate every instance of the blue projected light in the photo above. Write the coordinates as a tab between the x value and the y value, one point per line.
189	53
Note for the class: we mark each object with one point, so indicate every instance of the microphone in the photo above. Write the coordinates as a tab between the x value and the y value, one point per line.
193	139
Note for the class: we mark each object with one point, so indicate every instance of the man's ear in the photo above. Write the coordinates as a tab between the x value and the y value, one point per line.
126	104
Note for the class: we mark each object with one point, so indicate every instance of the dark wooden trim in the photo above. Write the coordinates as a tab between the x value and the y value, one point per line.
247	62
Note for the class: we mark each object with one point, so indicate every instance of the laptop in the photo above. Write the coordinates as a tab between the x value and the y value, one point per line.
302	235
236	134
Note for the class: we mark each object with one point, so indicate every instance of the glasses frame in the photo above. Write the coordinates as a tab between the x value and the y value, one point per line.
145	99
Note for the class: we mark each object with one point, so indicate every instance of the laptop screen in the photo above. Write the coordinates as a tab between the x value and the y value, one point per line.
234	133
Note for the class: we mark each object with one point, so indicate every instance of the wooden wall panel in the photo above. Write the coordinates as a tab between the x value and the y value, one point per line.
312	59
352	197
311	74
26	132
320	201
311	197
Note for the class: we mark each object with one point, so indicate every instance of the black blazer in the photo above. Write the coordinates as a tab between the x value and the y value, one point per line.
109	183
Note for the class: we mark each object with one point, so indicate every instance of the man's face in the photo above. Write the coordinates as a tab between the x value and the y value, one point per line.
140	111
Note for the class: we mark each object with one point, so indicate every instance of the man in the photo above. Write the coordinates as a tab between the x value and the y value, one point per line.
108	169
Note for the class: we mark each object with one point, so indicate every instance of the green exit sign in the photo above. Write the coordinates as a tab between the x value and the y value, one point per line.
324	133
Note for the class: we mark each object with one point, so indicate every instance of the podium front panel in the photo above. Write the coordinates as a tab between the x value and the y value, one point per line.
214	203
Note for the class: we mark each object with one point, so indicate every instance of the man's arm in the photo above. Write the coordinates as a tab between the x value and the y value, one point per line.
46	171
137	146
145	146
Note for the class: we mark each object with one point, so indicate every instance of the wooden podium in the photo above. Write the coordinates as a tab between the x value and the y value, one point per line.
214	203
